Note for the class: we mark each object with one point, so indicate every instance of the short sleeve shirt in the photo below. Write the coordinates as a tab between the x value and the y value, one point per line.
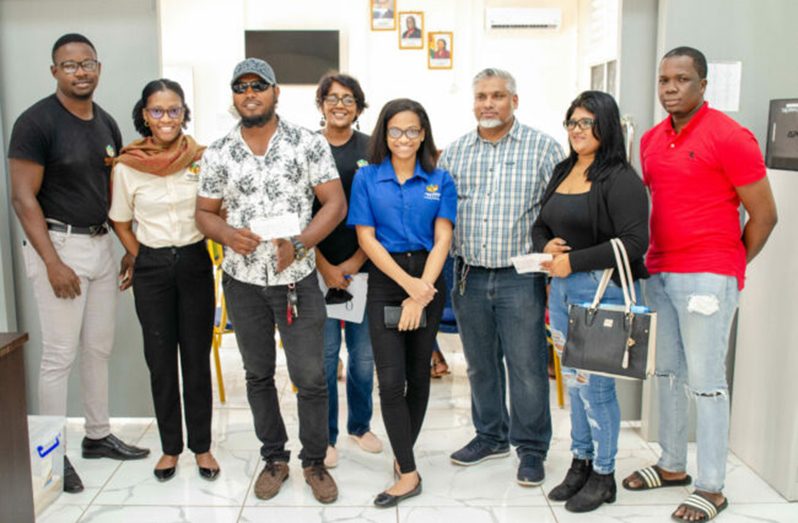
277	183
403	215
693	176
76	156
163	206
500	187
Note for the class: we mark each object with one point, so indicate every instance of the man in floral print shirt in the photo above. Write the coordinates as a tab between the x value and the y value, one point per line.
264	171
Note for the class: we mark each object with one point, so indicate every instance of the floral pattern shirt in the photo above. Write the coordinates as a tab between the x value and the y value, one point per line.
277	183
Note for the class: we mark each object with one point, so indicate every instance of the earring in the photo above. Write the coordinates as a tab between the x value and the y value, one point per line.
357	125
146	123
323	122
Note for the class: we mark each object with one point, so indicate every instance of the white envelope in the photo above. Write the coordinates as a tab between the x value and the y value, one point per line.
281	226
530	262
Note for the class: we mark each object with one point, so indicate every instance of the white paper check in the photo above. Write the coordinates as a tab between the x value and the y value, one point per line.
530	262
281	226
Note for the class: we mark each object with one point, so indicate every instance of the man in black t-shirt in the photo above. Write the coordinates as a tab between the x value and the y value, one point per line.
59	163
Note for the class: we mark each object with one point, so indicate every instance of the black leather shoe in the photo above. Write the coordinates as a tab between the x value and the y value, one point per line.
574	480
164	474
112	447
385	500
209	474
72	482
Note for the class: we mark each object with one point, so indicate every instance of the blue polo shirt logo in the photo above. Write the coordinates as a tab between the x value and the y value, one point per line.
432	192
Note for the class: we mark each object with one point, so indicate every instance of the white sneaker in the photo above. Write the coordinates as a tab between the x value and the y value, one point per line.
368	442
331	458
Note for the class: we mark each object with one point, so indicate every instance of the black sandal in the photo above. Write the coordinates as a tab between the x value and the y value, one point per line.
651	478
701	503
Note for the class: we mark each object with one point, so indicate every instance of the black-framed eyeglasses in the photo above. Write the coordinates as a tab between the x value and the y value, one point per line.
158	112
257	87
71	66
411	132
583	123
332	99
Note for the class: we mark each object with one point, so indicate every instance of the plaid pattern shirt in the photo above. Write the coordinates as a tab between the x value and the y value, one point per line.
499	190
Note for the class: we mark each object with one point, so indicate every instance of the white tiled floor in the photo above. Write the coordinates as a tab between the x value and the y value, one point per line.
118	492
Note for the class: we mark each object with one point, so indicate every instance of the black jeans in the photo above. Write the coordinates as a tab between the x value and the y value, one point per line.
402	358
254	311
173	292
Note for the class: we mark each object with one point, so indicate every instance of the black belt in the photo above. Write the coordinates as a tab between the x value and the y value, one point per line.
91	230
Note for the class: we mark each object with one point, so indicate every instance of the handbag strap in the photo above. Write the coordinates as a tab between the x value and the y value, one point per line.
602	288
628	269
629	299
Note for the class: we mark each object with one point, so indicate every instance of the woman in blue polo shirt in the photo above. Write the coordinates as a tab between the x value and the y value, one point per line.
403	209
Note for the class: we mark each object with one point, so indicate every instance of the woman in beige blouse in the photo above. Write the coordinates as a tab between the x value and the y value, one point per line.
155	185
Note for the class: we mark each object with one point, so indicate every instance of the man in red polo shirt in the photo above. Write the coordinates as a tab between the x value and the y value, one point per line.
699	165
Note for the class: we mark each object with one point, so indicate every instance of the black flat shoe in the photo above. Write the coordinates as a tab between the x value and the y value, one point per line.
164	474
209	474
385	500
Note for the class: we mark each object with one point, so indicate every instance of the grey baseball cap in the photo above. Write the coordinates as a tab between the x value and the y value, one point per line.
254	66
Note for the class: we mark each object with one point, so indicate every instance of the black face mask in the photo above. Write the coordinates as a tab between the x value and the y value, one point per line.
337	296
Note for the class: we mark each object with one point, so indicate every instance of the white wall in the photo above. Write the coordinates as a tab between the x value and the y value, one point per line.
125	34
210	38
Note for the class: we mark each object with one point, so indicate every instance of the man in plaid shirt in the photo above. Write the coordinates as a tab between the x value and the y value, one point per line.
501	170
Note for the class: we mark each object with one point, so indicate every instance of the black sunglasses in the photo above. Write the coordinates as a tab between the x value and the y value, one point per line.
257	87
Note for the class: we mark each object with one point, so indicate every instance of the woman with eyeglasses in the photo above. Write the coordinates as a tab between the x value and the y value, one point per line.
403	209
594	195
340	99
155	185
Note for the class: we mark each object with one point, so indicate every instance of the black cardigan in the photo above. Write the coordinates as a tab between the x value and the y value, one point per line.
618	205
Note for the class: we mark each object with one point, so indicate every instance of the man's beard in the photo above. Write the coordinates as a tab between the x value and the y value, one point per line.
490	123
259	120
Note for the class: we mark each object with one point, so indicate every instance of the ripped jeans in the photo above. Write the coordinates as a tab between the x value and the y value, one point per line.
595	413
694	316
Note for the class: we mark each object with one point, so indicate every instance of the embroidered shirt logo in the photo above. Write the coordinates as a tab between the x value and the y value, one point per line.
192	172
110	151
432	192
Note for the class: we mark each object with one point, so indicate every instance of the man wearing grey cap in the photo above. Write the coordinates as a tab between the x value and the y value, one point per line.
266	172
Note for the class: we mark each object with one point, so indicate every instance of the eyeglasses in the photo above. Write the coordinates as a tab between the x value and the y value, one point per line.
71	66
158	112
348	100
257	87
412	133
583	123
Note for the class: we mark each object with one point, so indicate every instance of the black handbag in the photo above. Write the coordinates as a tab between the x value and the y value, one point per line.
613	340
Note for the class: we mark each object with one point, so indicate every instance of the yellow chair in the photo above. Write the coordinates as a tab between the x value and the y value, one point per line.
557	367
221	325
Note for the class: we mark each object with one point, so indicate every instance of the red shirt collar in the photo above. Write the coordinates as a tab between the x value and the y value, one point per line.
702	111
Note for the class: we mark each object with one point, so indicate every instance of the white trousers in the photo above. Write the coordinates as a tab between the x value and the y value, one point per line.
82	325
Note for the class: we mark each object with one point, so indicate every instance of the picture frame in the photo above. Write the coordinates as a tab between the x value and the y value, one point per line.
383	15
440	49
411	30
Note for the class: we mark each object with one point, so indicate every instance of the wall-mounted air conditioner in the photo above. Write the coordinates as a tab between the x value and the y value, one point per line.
522	18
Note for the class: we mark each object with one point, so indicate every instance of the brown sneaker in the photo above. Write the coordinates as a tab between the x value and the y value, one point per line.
270	479
322	484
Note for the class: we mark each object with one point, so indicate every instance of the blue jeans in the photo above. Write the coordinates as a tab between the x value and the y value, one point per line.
595	413
359	375
500	316
694	316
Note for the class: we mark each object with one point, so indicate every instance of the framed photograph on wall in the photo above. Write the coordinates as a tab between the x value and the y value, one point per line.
440	49
411	30
383	15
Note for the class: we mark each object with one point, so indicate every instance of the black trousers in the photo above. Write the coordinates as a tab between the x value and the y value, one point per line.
402	358
255	311
173	291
